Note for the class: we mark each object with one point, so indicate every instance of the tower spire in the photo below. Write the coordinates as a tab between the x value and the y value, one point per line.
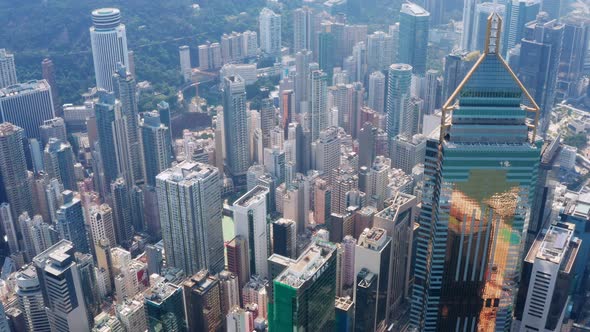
493	34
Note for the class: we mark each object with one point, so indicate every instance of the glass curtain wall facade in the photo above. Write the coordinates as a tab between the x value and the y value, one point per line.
480	179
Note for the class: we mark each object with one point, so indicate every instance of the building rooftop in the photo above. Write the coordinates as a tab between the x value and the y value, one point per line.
344	303
373	238
187	171
160	292
24	88
305	267
253	196
414	9
556	245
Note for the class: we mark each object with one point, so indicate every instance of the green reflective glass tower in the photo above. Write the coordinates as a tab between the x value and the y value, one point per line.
480	178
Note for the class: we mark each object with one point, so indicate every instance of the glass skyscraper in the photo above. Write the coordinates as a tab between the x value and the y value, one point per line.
480	178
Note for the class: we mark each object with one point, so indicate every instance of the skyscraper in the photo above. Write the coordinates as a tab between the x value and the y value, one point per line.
377	91
457	65
62	288
468	24
399	119
70	222
48	70
101	224
27	105
552	259
236	125
380	51
552	8
576	34
108	38
13	169
540	54
164	308
305	292
480	23
303	29
156	144
326	153
189	196
372	257
7	69
125	90
202	297
302	81
414	24
475	209
284	236
123	219
237	259
250	220
111	130
59	162
270	32
30	299
518	14
319	103
185	62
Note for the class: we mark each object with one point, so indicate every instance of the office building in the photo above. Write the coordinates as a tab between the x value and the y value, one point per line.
480	24
469	7
70	222
125	90
373	287
400	118
457	65
30	300
518	14
377	92
575	40
202	297
284	237
108	38
189	197
552	258
157	153
413	37
302	80
123	215
13	168
164	307
304	293
58	158
101	224
27	105
251	223
62	288
7	69
397	219
481	198
235	125
540	50
53	128
270	32
106	110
